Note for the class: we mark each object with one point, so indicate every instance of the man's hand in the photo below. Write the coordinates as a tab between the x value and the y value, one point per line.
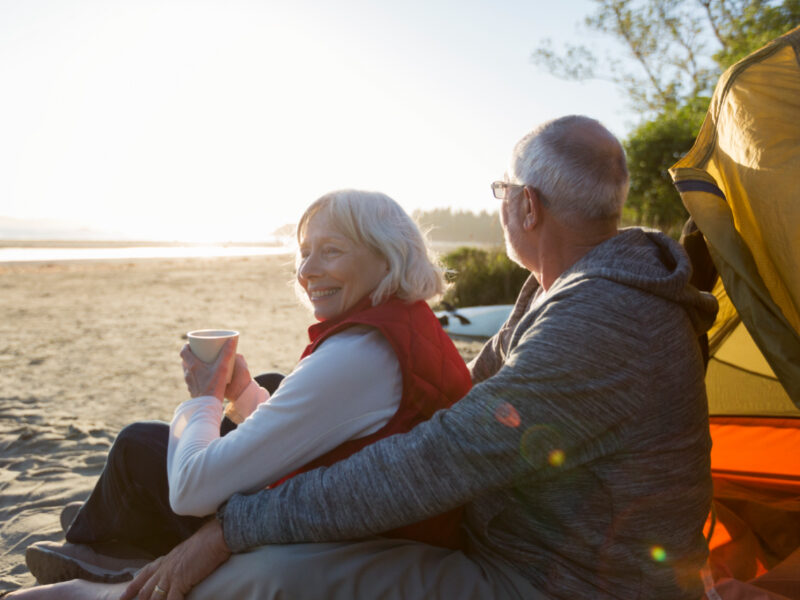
171	577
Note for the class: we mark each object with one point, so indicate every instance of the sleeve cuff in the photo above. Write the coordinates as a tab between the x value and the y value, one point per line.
234	542
241	408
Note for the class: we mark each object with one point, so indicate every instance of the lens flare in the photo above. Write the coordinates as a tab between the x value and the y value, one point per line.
507	415
658	554
556	458
539	443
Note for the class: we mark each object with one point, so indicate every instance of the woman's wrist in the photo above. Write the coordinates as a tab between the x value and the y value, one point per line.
244	405
233	414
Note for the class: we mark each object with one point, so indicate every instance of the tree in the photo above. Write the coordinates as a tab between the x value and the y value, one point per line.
446	225
678	50
751	25
482	277
675	49
652	148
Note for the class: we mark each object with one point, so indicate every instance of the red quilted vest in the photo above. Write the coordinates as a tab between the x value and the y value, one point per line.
434	377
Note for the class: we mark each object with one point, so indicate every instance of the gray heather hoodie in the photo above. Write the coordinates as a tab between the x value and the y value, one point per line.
581	453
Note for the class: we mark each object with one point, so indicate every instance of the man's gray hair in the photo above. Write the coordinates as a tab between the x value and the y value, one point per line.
576	164
374	220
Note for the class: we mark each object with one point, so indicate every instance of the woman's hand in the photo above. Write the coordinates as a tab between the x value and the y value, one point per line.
173	576
204	379
240	380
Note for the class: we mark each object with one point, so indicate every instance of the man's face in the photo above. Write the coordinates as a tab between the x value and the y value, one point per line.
511	220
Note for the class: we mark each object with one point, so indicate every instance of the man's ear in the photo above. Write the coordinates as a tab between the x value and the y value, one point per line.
532	208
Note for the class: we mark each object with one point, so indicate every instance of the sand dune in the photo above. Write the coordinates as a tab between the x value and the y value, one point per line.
88	347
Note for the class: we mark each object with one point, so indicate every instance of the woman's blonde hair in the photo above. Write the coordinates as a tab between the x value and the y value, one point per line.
374	220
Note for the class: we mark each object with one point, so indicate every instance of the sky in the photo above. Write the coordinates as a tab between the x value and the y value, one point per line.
221	120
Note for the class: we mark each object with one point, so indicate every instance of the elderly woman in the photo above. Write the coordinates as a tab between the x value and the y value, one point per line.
378	363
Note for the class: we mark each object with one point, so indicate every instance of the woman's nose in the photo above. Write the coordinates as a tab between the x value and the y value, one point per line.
309	267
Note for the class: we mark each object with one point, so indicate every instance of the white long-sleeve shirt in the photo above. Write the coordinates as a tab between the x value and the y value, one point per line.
349	387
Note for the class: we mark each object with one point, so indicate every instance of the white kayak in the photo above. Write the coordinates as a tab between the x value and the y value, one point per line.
474	322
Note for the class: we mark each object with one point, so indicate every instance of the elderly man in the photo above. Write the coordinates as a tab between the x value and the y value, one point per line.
581	453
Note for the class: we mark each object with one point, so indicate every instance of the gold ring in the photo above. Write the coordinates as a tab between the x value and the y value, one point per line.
160	591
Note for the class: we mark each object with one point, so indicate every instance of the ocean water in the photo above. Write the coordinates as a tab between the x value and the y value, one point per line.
54	253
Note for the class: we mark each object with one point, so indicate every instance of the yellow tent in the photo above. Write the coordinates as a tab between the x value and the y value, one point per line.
740	183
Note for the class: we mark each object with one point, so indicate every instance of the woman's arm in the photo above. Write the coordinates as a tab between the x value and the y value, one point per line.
349	387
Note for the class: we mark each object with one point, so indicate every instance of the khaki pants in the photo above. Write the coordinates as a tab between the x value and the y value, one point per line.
368	570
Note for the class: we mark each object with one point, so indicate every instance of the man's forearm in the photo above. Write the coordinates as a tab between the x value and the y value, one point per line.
386	485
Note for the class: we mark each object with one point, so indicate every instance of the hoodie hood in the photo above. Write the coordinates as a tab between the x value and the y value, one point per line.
648	261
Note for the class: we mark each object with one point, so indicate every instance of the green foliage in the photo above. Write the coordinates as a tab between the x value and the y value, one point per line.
678	48
675	68
446	225
664	58
481	277
755	23
652	148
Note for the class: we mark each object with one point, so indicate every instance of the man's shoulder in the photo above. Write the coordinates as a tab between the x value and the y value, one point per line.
603	313
587	293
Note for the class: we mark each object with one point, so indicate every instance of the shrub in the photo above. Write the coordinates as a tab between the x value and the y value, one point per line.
481	277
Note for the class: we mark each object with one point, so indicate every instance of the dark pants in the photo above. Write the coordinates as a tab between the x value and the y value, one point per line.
130	502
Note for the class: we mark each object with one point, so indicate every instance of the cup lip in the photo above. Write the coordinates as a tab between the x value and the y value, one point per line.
212	334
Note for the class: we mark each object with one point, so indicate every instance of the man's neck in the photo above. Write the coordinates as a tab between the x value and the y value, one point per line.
562	246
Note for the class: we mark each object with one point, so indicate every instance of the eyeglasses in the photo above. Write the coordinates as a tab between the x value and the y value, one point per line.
500	188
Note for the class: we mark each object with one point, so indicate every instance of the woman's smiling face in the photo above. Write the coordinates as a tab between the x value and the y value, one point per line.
334	271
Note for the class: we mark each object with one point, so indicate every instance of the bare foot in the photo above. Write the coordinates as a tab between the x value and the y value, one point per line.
76	589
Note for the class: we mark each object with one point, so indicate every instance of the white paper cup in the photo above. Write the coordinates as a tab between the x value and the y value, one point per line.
206	345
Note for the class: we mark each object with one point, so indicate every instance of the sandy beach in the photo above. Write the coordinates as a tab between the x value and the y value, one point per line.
88	347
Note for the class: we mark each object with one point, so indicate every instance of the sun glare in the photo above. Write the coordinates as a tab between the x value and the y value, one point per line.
224	120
